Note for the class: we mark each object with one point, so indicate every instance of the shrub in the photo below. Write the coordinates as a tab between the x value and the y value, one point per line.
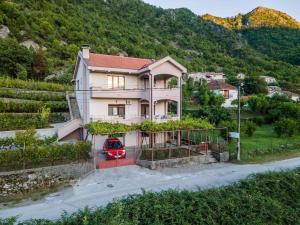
230	125
32	85
285	127
38	154
258	120
13	121
17	106
249	128
32	95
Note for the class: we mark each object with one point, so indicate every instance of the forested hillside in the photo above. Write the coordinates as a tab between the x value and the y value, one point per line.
128	27
270	32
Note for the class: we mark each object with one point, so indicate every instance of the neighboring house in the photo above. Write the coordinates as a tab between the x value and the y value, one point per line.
269	80
229	92
124	89
295	97
274	90
208	76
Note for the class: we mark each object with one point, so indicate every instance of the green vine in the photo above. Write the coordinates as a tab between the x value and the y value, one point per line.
106	128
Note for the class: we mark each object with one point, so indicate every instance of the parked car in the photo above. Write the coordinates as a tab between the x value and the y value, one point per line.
114	149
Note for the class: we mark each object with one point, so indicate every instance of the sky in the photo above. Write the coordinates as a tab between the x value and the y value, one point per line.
229	8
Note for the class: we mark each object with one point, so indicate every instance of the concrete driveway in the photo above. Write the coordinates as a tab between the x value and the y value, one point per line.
103	186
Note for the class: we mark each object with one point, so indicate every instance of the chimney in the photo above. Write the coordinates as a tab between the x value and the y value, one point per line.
85	51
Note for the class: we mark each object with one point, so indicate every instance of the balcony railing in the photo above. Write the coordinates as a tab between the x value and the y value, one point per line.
166	93
97	92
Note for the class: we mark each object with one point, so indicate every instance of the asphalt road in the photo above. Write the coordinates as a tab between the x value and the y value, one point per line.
104	186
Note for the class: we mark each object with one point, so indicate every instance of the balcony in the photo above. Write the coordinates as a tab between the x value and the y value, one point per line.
166	93
117	119
120	93
164	118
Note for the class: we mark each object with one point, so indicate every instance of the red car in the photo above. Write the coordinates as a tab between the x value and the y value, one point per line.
114	149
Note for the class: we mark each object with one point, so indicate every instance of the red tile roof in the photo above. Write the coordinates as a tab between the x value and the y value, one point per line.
220	85
120	62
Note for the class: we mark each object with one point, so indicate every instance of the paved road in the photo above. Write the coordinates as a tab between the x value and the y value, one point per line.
103	186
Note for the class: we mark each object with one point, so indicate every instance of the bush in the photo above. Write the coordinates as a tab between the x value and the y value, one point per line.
32	95
230	125
285	127
249	128
17	106
33	85
13	121
258	120
37	154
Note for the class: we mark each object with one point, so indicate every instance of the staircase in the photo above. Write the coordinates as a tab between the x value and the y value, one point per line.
75	122
73	106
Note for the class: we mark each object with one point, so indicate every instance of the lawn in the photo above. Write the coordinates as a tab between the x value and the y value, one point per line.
271	198
264	145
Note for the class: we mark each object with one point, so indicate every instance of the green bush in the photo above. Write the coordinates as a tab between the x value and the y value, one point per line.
8	82
30	106
13	121
32	95
249	128
258	120
285	127
230	125
36	154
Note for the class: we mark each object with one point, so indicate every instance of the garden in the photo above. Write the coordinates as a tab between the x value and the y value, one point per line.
26	151
23	104
271	198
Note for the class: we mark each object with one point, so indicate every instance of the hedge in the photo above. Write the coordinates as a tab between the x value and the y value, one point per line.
33	85
18	106
32	95
20	121
43	155
12	121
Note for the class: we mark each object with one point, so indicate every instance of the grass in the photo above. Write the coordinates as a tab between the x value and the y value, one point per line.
265	146
271	198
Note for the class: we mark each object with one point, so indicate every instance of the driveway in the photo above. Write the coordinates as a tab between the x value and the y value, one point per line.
103	186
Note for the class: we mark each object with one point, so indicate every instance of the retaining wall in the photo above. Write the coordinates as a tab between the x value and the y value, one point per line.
23	182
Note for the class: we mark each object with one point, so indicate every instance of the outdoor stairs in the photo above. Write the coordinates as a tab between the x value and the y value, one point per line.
75	122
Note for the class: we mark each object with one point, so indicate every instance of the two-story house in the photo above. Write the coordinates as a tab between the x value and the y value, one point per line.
124	89
229	92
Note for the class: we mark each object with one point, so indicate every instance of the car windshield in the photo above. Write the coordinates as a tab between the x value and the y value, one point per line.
114	144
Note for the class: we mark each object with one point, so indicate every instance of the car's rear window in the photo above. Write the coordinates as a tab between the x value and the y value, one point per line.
114	144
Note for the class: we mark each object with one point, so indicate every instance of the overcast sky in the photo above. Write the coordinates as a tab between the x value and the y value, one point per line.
228	8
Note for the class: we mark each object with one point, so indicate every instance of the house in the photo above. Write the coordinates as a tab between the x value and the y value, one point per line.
123	89
229	92
295	97
208	76
274	90
269	80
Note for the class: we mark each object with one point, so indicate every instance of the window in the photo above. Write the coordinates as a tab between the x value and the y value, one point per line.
115	82
226	94
116	110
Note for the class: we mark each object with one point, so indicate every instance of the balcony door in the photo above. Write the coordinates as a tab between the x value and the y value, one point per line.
145	110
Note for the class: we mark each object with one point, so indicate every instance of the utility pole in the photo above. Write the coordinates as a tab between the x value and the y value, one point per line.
239	123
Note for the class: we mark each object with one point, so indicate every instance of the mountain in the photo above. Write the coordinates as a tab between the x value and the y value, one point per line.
270	32
259	17
56	29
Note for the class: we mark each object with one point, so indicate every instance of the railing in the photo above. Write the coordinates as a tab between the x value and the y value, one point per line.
69	128
164	118
118	119
134	93
166	93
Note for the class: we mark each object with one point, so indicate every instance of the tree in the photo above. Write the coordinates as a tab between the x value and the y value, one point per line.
285	127
39	65
21	72
255	85
249	128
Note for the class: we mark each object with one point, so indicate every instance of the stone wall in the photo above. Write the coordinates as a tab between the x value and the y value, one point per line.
23	182
176	162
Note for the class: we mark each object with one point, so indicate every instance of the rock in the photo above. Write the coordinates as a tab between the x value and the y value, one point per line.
6	186
4	31
32	176
31	44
